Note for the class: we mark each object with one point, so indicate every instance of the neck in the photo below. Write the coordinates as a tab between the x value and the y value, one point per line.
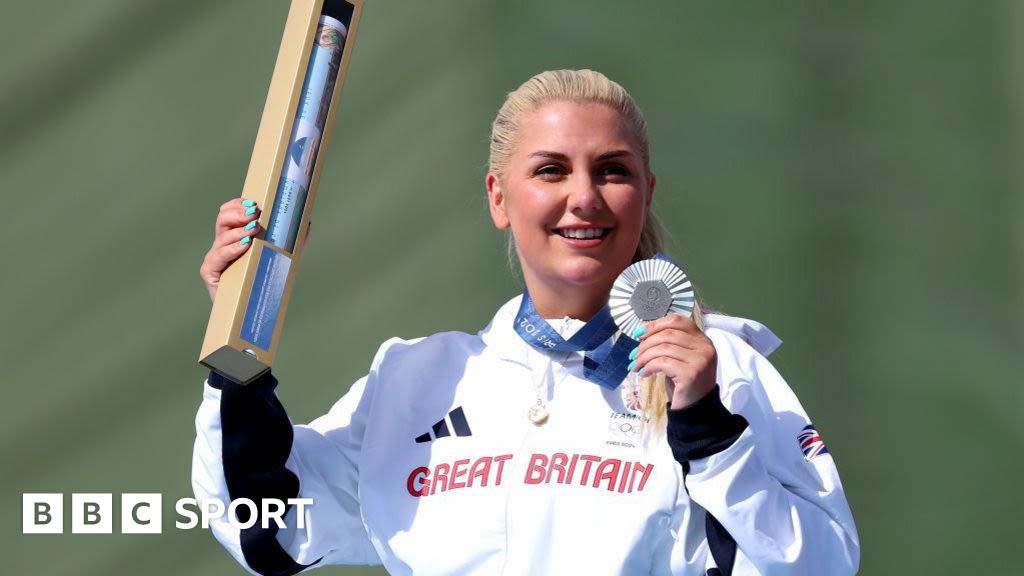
579	302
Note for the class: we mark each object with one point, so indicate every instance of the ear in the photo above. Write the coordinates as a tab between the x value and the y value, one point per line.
496	201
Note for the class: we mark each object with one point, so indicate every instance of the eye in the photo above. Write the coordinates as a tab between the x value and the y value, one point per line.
615	169
549	172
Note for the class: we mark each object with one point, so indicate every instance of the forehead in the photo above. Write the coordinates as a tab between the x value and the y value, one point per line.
572	127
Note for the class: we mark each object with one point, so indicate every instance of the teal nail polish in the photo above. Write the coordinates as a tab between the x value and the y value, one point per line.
250	211
251	225
632	355
248	202
640	330
631	364
244	241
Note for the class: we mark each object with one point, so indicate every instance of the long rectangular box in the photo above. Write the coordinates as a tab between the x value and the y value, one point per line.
248	313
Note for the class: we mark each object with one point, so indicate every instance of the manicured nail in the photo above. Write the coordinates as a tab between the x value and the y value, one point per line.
251	225
640	330
250	211
631	364
244	241
248	202
632	355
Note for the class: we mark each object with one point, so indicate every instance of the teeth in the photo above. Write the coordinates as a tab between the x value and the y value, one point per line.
582	233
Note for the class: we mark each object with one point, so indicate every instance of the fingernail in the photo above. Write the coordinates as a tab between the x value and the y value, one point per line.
632	355
631	364
248	202
244	241
640	372
250	211
639	331
251	225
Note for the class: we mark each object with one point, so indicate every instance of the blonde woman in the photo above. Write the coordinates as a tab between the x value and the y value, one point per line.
503	453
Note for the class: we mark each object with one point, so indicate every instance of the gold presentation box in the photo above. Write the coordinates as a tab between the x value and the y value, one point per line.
245	324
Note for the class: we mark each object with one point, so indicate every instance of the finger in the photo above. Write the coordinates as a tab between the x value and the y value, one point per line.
220	257
675	335
679	379
675	372
235	235
672	320
666	350
235	213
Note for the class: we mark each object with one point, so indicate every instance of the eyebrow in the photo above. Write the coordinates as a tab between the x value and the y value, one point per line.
564	158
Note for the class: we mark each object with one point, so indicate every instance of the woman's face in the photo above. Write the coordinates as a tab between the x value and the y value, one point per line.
575	194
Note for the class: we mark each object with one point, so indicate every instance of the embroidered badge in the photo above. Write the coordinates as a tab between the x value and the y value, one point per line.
811	443
631	396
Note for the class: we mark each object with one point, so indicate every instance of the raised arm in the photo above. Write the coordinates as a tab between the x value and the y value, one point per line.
246	447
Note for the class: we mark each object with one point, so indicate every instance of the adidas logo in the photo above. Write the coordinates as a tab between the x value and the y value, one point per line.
455	420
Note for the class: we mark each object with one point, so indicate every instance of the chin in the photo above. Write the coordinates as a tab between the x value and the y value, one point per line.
583	270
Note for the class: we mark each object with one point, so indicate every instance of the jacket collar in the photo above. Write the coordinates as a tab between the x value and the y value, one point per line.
502	340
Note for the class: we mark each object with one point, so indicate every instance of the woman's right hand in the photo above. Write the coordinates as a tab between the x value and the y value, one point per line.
236	224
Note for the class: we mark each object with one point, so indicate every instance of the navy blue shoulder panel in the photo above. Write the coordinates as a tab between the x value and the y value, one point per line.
722	545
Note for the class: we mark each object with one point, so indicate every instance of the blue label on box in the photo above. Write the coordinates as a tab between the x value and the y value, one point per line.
265	298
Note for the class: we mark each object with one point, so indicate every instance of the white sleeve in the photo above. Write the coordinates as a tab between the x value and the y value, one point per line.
246	447
771	509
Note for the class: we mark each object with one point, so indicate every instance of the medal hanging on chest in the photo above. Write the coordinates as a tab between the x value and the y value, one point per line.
645	291
544	383
538	413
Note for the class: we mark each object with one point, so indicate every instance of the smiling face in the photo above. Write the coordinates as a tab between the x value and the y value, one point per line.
575	193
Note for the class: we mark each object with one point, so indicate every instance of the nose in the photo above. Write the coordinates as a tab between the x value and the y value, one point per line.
585	195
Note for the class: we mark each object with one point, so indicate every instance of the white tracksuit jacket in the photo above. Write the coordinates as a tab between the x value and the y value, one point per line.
429	465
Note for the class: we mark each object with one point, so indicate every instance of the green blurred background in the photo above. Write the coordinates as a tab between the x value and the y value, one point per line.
847	173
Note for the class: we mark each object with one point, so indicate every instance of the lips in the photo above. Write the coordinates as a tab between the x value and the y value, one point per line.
581	233
583	236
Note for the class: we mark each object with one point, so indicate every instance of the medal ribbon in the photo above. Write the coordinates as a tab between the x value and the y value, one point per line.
604	363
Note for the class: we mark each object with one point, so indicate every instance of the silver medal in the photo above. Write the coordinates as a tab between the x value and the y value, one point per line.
645	291
648	290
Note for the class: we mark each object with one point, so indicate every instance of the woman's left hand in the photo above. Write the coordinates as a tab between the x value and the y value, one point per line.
674	346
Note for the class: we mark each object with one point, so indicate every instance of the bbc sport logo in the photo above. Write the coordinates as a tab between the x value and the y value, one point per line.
93	513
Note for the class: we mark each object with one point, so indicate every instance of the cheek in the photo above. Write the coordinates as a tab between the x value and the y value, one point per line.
533	207
629	210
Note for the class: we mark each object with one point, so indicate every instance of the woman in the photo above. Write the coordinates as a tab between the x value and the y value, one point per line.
430	465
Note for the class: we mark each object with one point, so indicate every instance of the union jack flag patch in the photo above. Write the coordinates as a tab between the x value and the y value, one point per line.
811	443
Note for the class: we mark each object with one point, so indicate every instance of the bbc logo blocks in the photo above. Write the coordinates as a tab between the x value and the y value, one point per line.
90	513
140	514
42	513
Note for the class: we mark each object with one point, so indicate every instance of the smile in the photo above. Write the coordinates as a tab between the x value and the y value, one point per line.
582	233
